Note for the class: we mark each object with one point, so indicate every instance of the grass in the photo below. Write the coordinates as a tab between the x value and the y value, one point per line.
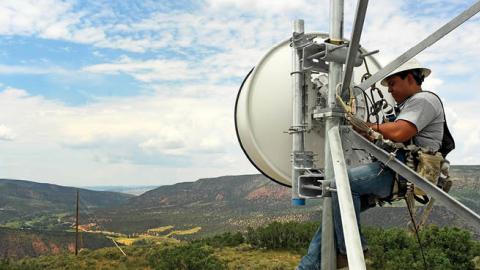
239	257
246	257
160	229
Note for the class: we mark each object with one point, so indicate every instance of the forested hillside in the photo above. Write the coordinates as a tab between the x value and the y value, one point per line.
215	204
276	246
236	202
187	210
25	200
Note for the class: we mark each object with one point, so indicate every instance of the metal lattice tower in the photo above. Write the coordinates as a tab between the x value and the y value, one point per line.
335	166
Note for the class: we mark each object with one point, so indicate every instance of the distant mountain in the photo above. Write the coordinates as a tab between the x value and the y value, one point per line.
248	191
21	199
215	204
236	202
133	190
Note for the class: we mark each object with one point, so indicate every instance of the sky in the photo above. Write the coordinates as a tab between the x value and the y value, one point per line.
143	92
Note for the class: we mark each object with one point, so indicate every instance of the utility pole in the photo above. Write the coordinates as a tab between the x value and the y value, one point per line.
298	116
334	77
76	227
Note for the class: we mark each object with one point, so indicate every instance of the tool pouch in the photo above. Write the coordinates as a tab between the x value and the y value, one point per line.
428	167
444	181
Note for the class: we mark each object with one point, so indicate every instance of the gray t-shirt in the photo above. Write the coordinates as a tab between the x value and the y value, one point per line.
425	111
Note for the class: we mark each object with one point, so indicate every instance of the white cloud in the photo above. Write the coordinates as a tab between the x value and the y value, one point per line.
16	69
156	123
463	121
220	67
149	70
6	133
132	132
186	128
394	30
48	17
216	24
432	83
268	6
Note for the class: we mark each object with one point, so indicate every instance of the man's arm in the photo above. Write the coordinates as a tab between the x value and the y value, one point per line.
398	131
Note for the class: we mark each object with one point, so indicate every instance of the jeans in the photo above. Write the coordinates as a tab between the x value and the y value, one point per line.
367	179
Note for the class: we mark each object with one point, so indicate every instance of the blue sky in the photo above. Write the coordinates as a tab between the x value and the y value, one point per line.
142	92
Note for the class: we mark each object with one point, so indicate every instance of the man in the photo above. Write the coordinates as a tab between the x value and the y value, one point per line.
420	118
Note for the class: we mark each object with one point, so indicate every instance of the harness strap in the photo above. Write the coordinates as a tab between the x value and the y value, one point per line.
448	143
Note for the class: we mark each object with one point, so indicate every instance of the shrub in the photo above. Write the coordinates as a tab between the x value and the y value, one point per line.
285	236
185	257
142	242
446	248
226	239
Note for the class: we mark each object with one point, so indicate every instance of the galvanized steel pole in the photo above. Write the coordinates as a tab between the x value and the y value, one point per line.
345	201
297	121
328	256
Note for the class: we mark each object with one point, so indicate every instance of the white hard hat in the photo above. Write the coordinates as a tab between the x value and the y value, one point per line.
410	64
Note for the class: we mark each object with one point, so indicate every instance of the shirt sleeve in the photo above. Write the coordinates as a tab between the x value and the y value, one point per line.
418	111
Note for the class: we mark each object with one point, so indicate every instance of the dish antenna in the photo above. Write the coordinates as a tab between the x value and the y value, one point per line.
288	120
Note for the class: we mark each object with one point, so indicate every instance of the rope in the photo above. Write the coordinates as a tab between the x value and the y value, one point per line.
94	218
416	234
359	124
118	247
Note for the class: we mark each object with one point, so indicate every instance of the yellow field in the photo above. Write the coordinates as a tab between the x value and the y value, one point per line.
156	238
184	232
160	229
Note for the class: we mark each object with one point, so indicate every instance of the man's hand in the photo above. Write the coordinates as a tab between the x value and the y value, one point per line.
363	128
398	131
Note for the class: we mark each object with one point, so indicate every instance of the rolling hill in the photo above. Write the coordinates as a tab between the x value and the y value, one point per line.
236	202
26	200
215	204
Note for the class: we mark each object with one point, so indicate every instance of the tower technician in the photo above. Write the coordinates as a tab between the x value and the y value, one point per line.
420	122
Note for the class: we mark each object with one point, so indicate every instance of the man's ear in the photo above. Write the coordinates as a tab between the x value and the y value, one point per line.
411	79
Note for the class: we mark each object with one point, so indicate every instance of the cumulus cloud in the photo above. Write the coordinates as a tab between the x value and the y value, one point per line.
6	133
48	18
269	6
218	68
148	70
197	58
153	124
462	117
16	69
139	134
453	55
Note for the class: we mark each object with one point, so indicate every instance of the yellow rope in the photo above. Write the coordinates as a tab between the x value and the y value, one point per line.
355	121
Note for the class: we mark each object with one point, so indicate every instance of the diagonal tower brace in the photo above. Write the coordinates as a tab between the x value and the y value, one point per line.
399	167
422	45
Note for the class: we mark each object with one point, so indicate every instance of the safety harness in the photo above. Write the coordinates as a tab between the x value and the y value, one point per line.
430	165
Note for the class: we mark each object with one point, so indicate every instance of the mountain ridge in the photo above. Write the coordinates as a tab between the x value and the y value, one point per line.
215	205
253	200
23	199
